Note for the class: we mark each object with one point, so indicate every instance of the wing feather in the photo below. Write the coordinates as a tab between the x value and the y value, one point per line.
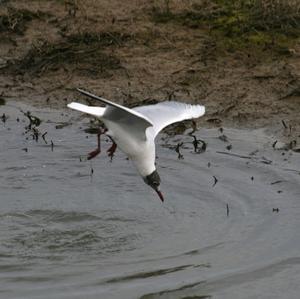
166	113
96	111
127	119
115	105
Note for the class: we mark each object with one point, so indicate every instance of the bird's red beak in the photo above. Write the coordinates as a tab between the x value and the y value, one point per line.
160	195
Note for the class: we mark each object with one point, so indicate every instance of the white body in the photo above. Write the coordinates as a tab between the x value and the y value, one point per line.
141	152
134	130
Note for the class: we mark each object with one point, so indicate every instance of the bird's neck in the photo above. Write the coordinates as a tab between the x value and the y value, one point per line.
144	166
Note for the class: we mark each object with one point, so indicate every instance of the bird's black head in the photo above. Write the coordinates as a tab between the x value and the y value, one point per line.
153	180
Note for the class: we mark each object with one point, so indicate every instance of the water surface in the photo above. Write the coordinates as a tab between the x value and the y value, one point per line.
229	227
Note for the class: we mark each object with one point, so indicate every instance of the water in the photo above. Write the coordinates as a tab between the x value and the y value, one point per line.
72	229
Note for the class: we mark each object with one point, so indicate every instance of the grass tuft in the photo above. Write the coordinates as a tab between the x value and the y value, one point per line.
240	24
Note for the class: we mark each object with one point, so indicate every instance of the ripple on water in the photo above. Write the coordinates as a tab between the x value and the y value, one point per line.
154	273
189	247
43	233
62	216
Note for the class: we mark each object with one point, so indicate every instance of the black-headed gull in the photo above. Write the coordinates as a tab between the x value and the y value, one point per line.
134	130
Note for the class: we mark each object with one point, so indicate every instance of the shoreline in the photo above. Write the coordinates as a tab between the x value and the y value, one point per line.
118	50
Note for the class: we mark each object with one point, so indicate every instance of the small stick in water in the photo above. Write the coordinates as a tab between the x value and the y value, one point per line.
35	134
43	136
227	209
276	182
180	156
216	180
284	124
52	145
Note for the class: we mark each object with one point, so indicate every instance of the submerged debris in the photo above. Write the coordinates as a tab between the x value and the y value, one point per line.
296	149
215	181
278	145
223	138
196	143
234	155
92	171
4	117
92	130
33	120
277	182
264	160
43	136
33	125
62	125
35	134
180	156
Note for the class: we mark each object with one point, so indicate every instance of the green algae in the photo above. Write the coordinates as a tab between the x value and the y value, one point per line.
241	25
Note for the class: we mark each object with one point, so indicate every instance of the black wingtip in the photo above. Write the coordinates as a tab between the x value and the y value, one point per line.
82	91
93	96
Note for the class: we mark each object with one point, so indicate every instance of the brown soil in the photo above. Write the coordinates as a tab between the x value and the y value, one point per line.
116	49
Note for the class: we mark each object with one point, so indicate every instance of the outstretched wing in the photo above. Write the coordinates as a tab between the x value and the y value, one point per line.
127	119
95	111
166	113
112	104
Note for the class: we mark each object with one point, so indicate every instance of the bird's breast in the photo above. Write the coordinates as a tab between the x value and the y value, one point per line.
126	141
141	152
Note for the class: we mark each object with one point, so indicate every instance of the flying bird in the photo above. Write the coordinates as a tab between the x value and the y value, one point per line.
134	130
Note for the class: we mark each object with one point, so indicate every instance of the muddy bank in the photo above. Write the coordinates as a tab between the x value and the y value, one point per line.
135	53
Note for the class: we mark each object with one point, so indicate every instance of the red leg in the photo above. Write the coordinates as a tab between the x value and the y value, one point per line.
112	149
97	151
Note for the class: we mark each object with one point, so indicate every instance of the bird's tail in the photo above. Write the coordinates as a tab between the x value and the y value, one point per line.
96	111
